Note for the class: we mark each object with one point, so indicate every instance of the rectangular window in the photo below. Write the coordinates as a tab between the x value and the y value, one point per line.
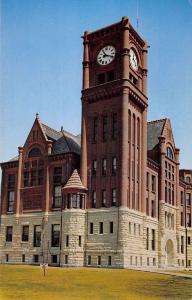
105	128
55	239
188	240
23	258
104	167
182	244
188	219
154	261
89	260
147	180
37	236
9	233
99	260
95	129
57	197
80	241
109	260
40	177
166	193
35	258
26	179
25	233
114	165
111	227
57	176
101	78
67	241
93	199
153	209
147	239
110	75
26	165
34	164
103	198
91	228
94	168
188	199
114	197
182	197
11	181
7	257
114	126
66	259
153	183
54	259
34	178
148	261
11	200
74	201
182	219
153	239
101	227
147	206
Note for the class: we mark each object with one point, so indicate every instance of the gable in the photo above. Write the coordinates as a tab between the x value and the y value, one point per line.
168	133
36	136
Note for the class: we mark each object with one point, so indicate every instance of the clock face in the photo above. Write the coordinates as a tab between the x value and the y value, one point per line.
133	60
106	55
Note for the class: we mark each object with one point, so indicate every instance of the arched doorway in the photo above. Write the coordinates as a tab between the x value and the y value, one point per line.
169	251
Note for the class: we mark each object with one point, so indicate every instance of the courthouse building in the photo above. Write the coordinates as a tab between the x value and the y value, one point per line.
113	196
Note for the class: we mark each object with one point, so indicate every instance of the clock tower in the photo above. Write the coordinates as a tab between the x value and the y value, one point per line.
114	117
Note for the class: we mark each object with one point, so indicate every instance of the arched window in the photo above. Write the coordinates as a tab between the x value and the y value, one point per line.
169	153
188	179
35	152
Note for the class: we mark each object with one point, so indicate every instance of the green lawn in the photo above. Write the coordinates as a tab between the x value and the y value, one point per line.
28	283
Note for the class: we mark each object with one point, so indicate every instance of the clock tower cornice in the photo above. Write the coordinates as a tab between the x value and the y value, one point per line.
112	89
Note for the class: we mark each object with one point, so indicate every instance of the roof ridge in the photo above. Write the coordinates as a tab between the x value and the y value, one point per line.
50	127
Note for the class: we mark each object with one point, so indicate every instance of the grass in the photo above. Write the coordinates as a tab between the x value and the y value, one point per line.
28	283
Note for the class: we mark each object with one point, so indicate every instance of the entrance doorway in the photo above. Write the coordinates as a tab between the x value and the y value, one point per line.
169	251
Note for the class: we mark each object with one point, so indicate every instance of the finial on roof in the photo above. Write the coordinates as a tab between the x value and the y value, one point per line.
37	115
61	128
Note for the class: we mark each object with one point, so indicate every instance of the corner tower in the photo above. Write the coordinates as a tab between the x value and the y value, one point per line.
114	117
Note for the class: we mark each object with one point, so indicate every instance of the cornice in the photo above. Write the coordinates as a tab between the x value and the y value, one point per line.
112	89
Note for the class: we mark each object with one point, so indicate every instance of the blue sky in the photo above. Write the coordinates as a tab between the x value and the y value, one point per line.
41	63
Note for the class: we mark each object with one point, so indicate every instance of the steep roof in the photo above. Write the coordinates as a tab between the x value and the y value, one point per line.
74	182
63	141
154	131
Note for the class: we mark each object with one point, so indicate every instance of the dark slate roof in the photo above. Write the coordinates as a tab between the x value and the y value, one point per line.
154	131
51	133
63	141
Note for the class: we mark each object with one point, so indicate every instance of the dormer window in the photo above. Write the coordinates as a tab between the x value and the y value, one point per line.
169	153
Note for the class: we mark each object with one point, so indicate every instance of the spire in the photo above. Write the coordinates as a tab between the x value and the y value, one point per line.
74	182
